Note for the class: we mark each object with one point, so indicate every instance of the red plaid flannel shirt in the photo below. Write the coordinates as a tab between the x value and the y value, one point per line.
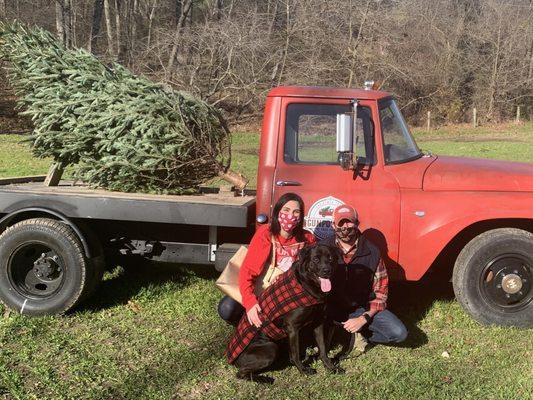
380	283
284	295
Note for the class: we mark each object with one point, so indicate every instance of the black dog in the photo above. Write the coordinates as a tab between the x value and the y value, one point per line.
311	271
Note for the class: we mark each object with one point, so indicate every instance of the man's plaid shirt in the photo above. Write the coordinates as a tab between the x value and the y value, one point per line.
284	295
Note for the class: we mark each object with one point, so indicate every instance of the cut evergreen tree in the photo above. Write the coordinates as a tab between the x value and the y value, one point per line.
119	131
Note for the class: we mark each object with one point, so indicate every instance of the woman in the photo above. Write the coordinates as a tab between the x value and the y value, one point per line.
286	236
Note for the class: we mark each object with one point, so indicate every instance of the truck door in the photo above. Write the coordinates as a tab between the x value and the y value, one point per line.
307	165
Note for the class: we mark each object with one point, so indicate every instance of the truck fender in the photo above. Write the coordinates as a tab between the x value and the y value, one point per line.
5	222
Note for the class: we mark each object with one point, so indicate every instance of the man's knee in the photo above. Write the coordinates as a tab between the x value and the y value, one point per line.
398	332
388	328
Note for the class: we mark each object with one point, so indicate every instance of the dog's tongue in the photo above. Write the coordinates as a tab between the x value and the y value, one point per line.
325	284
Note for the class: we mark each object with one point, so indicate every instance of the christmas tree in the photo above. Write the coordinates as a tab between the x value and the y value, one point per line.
118	130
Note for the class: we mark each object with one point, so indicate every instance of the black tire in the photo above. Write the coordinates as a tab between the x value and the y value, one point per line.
43	268
492	278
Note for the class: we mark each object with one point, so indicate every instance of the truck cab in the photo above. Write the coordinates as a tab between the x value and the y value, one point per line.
335	146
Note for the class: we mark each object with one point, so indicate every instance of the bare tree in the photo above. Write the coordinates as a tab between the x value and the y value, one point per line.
109	29
98	10
64	21
3	11
185	10
444	56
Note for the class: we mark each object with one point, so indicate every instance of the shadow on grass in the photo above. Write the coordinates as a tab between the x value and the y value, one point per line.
411	301
126	282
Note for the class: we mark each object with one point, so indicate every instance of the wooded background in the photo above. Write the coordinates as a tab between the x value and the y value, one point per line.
443	56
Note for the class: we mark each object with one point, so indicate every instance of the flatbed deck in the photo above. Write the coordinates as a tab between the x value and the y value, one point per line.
77	200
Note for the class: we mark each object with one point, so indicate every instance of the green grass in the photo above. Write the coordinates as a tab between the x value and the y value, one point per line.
153	332
16	159
503	142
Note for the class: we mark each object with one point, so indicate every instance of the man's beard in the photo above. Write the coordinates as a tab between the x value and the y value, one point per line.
347	235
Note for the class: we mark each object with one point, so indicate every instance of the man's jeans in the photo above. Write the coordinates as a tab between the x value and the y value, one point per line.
385	327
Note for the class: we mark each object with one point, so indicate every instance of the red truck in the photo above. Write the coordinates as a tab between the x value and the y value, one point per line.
469	218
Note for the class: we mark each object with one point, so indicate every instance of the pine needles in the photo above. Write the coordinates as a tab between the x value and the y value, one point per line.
120	131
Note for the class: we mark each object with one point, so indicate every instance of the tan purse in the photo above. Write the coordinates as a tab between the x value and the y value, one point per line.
228	281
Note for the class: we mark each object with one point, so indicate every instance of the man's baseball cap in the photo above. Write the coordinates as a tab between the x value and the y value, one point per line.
344	211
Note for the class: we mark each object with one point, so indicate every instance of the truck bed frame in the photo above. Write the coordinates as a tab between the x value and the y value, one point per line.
202	219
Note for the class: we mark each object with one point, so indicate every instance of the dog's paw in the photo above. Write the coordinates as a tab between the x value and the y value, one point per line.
308	371
338	370
334	367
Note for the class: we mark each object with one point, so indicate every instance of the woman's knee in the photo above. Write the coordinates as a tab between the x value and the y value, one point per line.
230	310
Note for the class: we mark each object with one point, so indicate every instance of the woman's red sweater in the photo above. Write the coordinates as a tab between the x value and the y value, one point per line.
256	258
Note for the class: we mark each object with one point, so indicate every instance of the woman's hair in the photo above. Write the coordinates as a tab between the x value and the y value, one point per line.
275	227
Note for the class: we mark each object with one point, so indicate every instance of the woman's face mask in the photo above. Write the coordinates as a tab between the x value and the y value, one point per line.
288	221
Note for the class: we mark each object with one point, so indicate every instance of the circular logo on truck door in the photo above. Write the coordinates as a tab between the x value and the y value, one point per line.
320	216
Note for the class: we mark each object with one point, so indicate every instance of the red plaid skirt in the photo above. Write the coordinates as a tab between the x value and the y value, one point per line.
284	295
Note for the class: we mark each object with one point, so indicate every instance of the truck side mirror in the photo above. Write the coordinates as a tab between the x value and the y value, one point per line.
345	140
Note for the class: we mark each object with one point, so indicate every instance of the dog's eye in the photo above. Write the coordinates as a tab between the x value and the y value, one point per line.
316	259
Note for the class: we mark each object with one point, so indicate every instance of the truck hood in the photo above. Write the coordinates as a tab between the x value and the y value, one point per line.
473	174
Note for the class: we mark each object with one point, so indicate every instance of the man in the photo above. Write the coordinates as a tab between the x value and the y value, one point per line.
358	298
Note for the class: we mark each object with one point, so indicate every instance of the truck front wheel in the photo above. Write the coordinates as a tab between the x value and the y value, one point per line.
43	269
492	277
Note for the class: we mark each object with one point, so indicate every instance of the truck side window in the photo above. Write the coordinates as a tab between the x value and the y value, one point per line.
310	133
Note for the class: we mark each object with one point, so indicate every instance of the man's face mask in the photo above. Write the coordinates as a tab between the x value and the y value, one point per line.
346	232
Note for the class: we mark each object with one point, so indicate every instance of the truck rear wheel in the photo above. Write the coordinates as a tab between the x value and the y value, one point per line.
43	269
492	277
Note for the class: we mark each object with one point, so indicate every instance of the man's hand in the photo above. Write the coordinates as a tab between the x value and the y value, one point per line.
253	316
354	324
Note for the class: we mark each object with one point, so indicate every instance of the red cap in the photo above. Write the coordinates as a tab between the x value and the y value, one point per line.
344	211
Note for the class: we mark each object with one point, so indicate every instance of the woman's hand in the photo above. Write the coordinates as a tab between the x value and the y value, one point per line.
253	316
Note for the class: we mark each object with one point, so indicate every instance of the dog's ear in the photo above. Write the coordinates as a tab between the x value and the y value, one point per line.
303	254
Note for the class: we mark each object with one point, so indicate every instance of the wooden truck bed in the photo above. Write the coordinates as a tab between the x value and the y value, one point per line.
79	201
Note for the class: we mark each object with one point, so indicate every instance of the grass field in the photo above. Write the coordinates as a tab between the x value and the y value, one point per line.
152	332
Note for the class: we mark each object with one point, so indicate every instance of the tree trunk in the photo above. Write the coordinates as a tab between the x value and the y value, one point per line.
3	11
238	180
530	70
150	23
287	42
133	30
179	29
118	29
354	44
96	23
54	174
218	9
177	14
494	75
64	21
274	18
60	21
109	28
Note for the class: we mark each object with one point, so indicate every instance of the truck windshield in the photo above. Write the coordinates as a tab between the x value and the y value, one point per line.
398	143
